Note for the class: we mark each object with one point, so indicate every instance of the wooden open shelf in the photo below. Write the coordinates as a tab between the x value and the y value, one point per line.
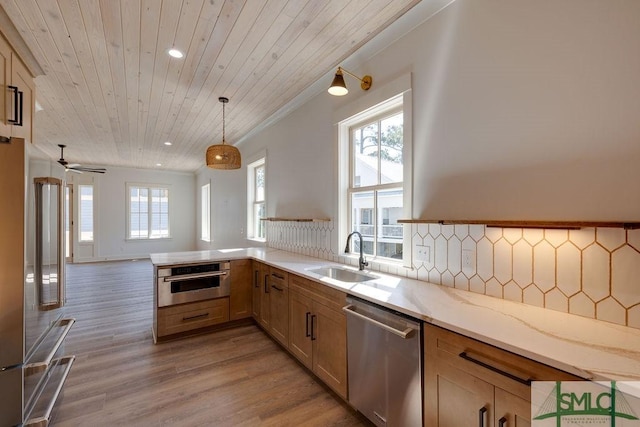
528	224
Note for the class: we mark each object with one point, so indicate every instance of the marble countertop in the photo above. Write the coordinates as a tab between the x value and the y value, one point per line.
585	347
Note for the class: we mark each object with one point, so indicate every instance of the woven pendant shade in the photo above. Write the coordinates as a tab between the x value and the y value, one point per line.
223	156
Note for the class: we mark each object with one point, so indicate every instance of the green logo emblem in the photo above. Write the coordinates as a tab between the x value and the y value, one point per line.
593	406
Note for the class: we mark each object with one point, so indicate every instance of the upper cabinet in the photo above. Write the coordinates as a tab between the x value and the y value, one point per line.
18	95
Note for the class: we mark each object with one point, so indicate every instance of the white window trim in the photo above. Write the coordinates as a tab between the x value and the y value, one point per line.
205	212
397	92
251	167
128	186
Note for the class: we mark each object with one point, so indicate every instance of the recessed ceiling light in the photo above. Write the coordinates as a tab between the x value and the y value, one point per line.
167	143
158	164
175	53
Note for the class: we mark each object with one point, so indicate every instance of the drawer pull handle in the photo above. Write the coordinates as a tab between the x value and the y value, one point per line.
277	276
277	288
313	337
481	414
502	422
198	316
34	368
471	359
46	418
17	106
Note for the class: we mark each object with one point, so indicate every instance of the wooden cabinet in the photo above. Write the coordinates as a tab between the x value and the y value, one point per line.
278	287
260	294
300	309
186	317
5	80
15	122
318	331
470	383
240	298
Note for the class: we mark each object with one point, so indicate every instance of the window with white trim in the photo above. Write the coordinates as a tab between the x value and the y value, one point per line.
147	212
376	185
85	213
375	179
256	200
205	212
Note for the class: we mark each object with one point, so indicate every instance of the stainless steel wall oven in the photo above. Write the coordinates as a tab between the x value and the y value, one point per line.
179	284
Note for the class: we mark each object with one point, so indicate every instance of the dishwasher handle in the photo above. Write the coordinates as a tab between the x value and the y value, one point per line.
407	333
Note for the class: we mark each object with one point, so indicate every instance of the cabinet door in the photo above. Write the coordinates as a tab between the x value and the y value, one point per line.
329	338
511	411
300	308
454	398
265	293
5	80
240	297
279	301
256	293
21	78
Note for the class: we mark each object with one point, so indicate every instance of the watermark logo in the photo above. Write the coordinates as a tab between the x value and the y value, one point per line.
585	403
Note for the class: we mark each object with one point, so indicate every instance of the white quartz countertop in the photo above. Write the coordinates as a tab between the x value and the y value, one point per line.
585	347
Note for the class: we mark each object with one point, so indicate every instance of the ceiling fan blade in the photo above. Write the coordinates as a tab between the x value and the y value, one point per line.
76	167
87	169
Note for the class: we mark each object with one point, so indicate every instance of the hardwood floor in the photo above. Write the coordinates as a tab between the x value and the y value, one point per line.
234	377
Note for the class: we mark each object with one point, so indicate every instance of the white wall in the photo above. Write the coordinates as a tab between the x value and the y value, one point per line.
110	214
525	109
228	205
522	110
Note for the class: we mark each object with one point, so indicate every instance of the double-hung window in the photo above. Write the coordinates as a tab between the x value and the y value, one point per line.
256	200
375	193
147	212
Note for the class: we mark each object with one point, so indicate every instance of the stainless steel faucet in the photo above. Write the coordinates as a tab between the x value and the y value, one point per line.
361	262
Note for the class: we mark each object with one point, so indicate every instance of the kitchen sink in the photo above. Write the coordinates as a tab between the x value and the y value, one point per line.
343	274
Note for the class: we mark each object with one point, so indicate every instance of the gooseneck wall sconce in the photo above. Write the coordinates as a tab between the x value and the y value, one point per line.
223	156
339	88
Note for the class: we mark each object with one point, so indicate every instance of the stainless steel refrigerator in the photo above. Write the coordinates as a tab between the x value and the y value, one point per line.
33	367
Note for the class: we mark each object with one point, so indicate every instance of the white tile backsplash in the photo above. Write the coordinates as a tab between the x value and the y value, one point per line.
590	272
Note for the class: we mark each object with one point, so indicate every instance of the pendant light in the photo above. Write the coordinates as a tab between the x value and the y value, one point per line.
223	156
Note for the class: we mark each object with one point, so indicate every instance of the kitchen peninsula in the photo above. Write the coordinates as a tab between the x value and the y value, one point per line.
586	348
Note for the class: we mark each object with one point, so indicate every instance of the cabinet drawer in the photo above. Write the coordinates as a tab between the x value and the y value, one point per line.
499	367
187	317
324	294
279	278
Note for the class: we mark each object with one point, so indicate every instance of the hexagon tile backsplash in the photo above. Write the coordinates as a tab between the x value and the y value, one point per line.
590	272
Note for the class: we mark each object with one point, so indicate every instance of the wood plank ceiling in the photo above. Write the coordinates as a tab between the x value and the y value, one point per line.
112	94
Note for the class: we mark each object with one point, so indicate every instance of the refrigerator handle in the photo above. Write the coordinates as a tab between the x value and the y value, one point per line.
60	258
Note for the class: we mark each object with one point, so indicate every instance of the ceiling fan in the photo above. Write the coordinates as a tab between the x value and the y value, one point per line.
74	167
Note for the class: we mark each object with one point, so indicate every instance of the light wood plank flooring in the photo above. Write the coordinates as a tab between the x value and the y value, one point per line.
235	377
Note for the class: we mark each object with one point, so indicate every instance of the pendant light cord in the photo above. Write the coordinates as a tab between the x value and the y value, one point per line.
224	100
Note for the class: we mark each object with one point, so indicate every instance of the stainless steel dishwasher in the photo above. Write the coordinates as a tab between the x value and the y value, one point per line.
384	351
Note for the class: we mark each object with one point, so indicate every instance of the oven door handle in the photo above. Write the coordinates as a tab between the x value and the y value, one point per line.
194	276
